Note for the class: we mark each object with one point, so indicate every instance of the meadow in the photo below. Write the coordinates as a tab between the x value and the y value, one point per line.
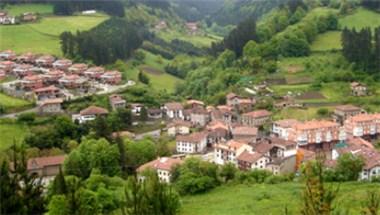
42	9
13	104
10	133
43	36
252	199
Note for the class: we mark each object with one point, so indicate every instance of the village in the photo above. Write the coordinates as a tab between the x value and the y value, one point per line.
236	132
50	81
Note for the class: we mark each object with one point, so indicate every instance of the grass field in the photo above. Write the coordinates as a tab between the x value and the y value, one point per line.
16	10
11	132
260	199
42	37
360	19
327	41
11	103
197	40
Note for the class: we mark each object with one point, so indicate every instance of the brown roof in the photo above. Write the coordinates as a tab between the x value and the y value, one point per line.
93	110
41	162
154	111
244	130
364	117
217	124
164	163
249	157
314	124
49	88
263	147
281	142
52	101
193	101
258	113
286	123
193	137
347	108
231	145
174	106
201	111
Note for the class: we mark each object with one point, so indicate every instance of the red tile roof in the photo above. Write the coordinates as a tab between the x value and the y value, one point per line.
244	130
258	114
164	163
174	106
249	157
93	110
41	162
193	137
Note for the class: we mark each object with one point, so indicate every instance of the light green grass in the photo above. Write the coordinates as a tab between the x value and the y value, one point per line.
13	104
10	133
260	199
294	89
19	9
43	37
327	41
300	114
197	40
360	19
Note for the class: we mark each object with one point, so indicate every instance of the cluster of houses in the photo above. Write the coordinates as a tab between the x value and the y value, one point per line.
6	19
48	79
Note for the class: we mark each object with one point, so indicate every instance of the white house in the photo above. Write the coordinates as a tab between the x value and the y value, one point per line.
228	152
178	127
174	110
162	166
89	114
192	143
281	127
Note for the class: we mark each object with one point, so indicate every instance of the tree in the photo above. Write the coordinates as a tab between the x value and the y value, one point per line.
102	128
93	154
238	37
316	198
228	172
143	78
349	167
139	152
59	184
143	114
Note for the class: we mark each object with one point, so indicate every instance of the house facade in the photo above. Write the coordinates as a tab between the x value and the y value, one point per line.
162	166
256	118
228	152
193	143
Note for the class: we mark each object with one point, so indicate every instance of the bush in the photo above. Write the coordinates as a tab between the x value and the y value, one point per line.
26	118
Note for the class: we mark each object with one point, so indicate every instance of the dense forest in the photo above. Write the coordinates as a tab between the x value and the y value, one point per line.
68	7
363	48
111	40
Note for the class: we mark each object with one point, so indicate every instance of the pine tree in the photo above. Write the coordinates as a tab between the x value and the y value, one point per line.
59	184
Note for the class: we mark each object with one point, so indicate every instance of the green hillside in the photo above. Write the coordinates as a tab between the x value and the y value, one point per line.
16	10
43	36
258	199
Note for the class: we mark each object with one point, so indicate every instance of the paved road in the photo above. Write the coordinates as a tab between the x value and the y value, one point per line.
14	115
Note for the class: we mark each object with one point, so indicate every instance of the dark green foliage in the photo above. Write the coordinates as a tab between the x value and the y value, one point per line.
68	7
28	118
113	39
228	172
90	154
59	184
195	176
359	48
143	78
143	114
349	167
371	4
150	197
20	192
139	152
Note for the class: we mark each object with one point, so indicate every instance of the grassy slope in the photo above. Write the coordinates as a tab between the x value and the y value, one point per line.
11	103
16	10
359	19
266	199
42	37
11	132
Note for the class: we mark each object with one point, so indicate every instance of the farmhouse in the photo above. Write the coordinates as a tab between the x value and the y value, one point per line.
45	60
239	103
50	92
223	113
7	20
256	118
173	110
192	27
111	77
228	152
161	25
358	89
192	103
162	166
136	108
192	143
342	112
45	167
90	114
28	17
77	68
62	64
117	102
50	106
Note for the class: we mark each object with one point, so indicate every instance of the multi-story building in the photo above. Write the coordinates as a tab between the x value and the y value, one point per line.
174	110
111	77
256	118
94	72
62	64
179	127
316	135
228	152
193	143
363	125
117	102
50	92
199	117
50	106
342	112
45	60
32	82
78	68
8	55
245	134
7	66
89	114
249	160
162	166
281	127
